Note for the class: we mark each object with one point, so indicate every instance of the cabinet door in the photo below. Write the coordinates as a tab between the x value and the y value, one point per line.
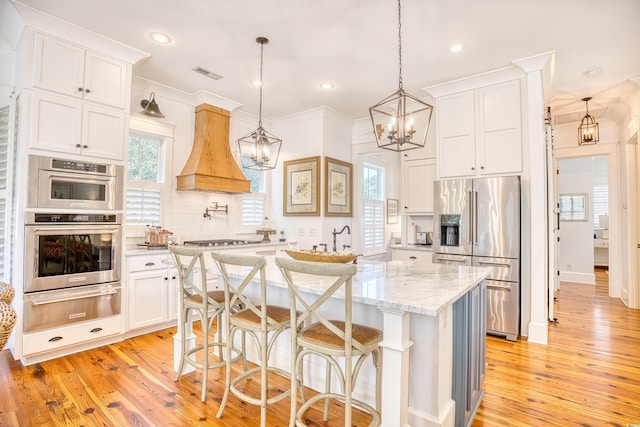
58	66
105	80
418	177
426	152
148	298
499	129
103	132
456	135
173	290
56	123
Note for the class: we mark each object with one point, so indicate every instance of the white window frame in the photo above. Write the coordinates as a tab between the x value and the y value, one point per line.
165	132
379	203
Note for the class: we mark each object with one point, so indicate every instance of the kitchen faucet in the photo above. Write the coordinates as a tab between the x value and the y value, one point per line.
335	233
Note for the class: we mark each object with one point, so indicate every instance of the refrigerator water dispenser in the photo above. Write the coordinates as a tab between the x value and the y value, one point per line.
449	230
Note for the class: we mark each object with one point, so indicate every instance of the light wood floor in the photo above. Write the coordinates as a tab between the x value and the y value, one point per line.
588	375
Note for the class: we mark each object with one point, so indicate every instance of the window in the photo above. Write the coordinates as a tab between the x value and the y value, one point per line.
600	204
573	207
145	179
373	189
253	204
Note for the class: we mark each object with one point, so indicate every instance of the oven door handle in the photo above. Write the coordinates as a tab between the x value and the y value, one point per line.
81	229
92	295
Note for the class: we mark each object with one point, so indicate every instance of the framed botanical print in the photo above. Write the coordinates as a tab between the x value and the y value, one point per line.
302	187
338	187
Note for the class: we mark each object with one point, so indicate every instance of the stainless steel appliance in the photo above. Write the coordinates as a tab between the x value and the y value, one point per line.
70	250
72	268
69	184
477	222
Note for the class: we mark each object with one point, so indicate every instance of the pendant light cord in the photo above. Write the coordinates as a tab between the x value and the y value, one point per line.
261	84
399	46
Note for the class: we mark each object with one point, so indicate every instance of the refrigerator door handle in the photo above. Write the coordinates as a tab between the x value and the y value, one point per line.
471	210
449	258
497	285
501	264
475	216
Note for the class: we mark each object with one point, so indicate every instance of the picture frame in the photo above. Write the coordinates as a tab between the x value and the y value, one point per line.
392	211
338	187
301	187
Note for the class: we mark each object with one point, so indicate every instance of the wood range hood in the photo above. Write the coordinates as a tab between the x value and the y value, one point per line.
211	166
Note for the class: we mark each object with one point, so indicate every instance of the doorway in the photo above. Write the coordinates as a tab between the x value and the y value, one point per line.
583	188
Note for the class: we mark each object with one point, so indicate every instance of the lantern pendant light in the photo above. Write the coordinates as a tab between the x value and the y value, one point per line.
259	150
588	132
400	121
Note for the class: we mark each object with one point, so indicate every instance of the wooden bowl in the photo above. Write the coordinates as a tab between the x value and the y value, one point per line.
317	256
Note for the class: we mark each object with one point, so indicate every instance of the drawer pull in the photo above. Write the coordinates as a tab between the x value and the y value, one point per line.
150	264
96	330
501	264
412	257
54	339
71	298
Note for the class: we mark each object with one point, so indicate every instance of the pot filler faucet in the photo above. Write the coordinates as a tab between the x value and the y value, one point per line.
335	233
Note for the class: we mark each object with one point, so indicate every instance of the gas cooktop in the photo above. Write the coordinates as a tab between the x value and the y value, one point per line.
217	242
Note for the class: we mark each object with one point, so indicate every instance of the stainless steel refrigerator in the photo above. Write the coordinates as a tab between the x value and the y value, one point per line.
477	222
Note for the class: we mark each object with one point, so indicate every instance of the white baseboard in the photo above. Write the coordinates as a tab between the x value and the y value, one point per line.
583	278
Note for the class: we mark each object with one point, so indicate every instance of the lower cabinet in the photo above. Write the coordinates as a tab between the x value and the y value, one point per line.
469	353
412	255
152	291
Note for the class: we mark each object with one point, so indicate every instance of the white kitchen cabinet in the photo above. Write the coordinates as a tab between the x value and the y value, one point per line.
479	132
417	186
422	256
426	152
65	125
151	288
71	70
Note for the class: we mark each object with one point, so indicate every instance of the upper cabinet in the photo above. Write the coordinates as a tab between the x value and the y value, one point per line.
70	70
417	186
480	132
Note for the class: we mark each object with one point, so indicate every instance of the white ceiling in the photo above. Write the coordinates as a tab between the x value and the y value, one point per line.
353	43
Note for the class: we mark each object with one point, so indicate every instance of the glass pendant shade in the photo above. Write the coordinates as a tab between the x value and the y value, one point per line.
401	121
588	131
259	150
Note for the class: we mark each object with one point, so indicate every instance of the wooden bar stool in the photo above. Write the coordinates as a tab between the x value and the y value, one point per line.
258	320
209	305
334	340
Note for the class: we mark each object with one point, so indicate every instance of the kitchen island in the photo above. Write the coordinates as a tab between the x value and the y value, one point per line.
413	305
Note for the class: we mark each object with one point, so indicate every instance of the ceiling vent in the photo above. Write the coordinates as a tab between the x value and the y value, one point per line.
207	73
575	117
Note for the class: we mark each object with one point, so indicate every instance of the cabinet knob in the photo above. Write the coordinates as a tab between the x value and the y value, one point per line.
78	145
87	90
166	278
80	89
481	167
406	207
85	146
473	169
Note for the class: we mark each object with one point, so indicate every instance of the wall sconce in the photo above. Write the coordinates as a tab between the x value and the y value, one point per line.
588	132
151	107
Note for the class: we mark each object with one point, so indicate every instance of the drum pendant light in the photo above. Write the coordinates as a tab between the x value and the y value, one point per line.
259	150
588	132
400	121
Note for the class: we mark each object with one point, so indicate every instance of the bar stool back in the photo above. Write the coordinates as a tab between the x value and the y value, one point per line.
331	339
258	320
209	305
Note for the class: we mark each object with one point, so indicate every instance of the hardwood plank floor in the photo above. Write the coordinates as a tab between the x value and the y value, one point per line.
588	375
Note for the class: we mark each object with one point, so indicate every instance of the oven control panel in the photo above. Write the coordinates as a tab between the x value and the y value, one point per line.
48	218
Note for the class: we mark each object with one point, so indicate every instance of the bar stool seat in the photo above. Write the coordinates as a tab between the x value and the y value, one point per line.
209	306
261	321
343	345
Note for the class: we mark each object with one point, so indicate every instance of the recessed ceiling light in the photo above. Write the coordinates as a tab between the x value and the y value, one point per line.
456	48
593	71
327	85
160	37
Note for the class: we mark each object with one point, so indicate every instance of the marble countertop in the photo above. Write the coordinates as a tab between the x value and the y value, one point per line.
403	285
142	250
413	247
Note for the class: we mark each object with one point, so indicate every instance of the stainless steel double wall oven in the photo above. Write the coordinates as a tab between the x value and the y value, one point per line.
73	246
